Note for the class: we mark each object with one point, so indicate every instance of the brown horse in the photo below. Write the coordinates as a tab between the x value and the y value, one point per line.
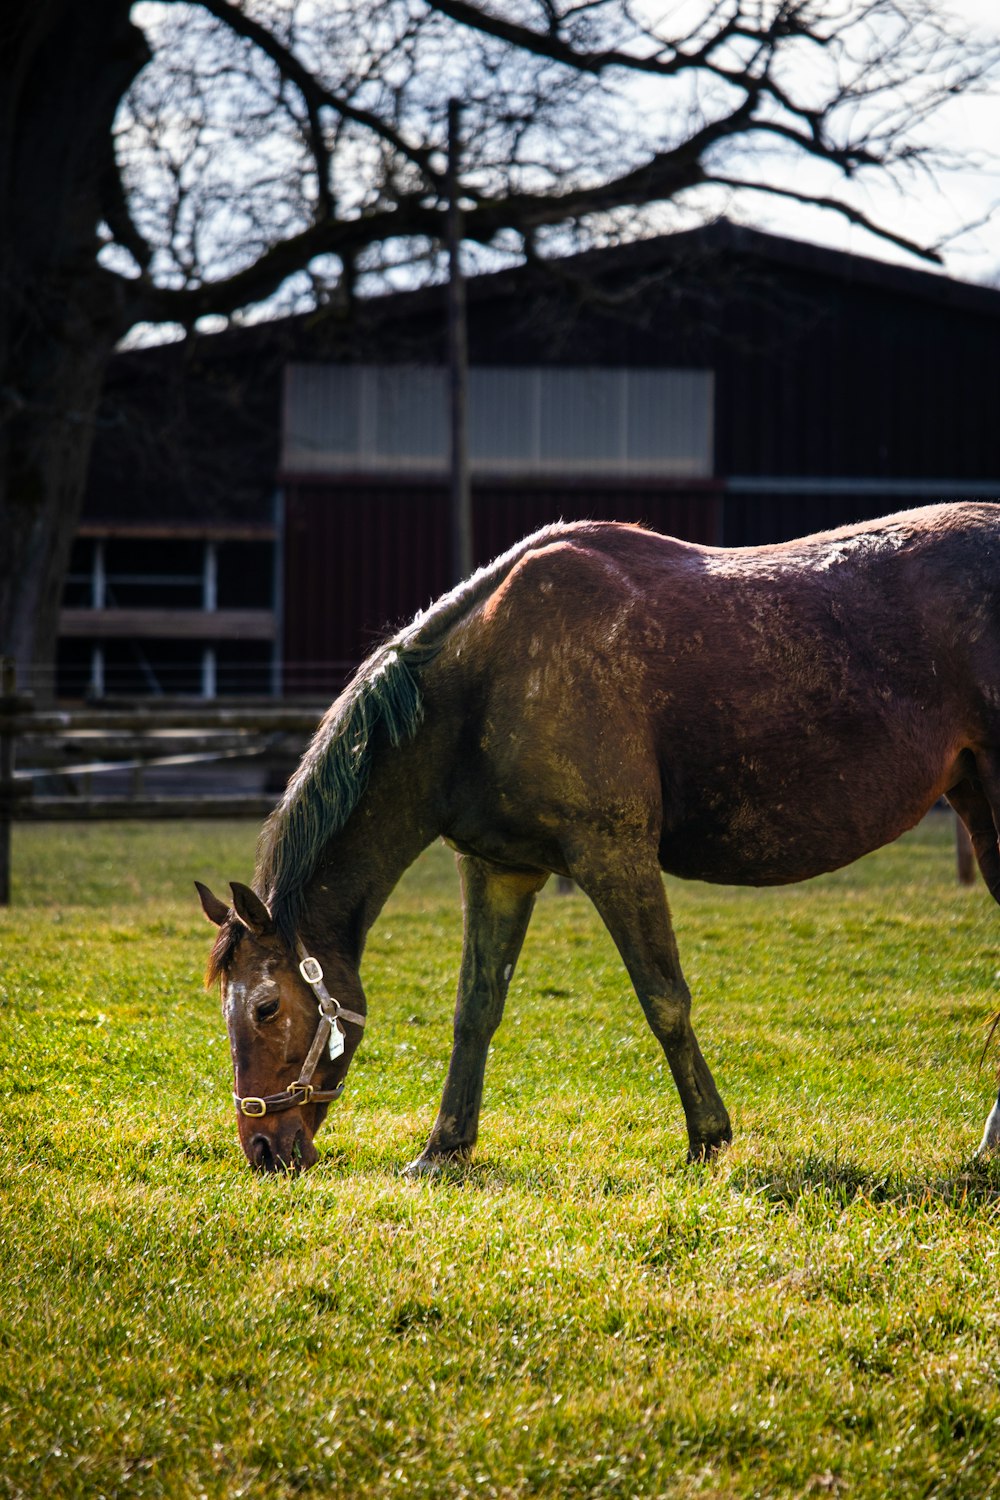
606	703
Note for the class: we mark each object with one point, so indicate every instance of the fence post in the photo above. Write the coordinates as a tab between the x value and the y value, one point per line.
8	689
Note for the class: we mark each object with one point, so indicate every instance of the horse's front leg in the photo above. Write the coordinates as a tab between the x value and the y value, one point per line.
498	906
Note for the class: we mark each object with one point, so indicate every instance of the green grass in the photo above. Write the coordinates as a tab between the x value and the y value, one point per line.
578	1313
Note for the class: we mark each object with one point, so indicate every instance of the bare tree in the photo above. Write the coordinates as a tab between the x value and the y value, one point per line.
171	163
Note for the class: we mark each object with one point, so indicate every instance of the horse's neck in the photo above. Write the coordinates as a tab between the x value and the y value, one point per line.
392	824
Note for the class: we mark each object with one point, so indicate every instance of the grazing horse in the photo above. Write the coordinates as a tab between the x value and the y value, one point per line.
607	703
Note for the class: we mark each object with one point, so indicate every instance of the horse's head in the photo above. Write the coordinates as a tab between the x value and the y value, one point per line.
294	1022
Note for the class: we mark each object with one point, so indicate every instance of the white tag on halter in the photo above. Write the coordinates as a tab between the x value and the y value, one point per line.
336	1041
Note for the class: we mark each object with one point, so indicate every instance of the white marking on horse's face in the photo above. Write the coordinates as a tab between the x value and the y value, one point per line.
236	997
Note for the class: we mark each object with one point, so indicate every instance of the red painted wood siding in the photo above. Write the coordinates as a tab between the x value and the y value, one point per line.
363	556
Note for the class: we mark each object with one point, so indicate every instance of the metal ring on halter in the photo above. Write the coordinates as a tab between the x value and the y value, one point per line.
312	972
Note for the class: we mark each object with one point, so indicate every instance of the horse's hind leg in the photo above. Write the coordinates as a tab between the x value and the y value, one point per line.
976	800
627	889
498	906
974	806
991	1132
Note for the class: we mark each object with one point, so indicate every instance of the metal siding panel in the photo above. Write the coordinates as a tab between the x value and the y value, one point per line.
503	415
411	414
379	419
321	418
582	416
669	418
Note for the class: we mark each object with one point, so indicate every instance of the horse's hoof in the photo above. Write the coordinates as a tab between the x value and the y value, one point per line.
421	1166
708	1150
991	1134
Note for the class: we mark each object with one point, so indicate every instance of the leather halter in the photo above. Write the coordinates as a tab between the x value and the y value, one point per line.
302	1091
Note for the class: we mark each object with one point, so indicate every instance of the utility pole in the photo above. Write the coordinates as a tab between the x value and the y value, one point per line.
458	362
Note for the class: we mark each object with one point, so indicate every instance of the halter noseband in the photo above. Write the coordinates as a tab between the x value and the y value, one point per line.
302	1090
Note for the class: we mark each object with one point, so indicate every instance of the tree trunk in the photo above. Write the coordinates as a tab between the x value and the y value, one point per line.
44	455
60	313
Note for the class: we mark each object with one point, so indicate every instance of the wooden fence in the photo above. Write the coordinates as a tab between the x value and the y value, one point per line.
84	742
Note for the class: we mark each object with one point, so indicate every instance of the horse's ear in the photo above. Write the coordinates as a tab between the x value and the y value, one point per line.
215	910
251	910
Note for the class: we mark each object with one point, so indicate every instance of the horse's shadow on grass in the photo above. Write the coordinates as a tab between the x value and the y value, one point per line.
784	1182
973	1185
488	1174
839	1182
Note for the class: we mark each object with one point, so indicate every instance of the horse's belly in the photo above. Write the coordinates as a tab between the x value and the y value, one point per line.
758	838
744	854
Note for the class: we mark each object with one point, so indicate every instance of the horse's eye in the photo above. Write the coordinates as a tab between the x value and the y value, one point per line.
267	1009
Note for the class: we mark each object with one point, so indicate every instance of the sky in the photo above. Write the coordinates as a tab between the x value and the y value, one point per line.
922	210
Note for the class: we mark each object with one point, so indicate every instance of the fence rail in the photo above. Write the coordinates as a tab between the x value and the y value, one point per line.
89	740
18	716
105	809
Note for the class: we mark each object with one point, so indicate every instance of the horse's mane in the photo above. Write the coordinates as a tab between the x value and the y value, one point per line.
331	777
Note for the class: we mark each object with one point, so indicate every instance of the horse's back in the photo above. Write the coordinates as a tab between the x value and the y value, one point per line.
776	711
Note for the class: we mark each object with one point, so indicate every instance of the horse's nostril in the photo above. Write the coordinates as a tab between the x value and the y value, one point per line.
261	1155
304	1152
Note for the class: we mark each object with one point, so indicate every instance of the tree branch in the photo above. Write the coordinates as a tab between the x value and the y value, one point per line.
403	211
316	96
838	206
664	176
553	45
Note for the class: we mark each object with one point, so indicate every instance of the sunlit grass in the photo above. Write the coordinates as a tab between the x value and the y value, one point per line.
578	1313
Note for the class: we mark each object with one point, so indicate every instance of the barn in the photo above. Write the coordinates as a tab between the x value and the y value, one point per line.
265	501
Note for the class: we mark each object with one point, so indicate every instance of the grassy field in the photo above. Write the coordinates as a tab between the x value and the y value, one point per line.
578	1313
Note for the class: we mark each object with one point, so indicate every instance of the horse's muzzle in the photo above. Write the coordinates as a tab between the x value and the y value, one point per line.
282	1151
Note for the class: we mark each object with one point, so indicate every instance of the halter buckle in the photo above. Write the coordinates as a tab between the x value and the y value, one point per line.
311	970
252	1106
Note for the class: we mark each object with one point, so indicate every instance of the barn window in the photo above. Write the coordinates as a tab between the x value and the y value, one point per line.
539	420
